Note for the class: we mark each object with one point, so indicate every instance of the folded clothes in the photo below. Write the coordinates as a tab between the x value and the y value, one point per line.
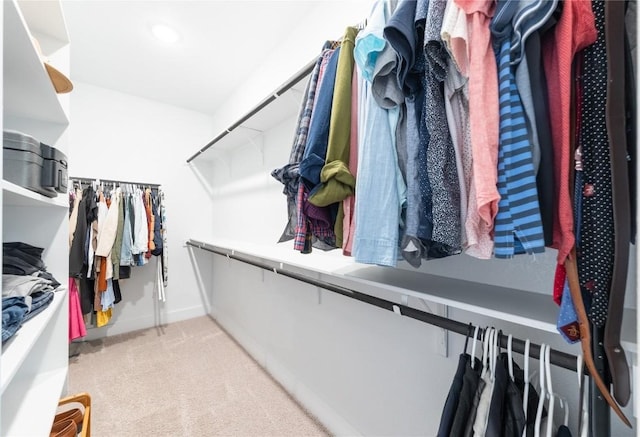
23	259
39	302
15	285
13	312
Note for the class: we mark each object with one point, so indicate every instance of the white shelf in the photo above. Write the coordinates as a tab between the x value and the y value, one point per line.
15	195
521	307
16	350
28	91
32	413
45	18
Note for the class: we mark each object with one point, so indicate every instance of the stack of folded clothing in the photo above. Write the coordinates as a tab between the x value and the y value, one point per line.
27	287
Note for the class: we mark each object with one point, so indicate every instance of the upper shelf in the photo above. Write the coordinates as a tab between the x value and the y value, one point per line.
28	91
283	103
45	18
15	195
531	309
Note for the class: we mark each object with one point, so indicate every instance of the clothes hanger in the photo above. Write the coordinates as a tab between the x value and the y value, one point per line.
466	340
583	420
550	395
564	406
543	392
494	354
525	396
510	355
473	347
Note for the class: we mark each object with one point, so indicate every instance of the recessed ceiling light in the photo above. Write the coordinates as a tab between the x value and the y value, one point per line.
165	33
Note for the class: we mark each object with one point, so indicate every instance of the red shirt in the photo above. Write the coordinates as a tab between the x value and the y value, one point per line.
575	30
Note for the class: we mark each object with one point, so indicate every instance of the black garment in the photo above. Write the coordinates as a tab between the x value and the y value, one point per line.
545	177
23	259
473	411
470	382
86	287
157	224
451	404
496	407
87	213
116	291
596	258
514	420
125	272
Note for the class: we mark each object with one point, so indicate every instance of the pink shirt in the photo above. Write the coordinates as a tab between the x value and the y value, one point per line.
349	222
484	120
574	31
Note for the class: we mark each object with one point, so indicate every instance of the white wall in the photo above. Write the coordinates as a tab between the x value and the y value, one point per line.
121	137
327	21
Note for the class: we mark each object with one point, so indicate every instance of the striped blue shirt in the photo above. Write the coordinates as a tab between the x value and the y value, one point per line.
518	226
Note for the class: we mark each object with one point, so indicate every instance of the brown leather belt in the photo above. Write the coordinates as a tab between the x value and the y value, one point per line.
585	334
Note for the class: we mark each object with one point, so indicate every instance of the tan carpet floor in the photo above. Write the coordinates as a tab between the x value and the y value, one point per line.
184	379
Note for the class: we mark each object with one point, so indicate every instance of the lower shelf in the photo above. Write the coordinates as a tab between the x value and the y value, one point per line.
513	305
30	410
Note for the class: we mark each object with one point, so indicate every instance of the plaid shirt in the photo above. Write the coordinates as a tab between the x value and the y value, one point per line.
312	219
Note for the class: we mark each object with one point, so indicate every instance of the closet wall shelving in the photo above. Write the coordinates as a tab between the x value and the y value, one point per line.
509	304
34	362
248	306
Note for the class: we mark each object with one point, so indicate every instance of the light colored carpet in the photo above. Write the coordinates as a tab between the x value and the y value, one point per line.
184	379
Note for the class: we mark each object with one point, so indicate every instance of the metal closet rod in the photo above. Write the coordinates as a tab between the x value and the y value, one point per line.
292	81
110	181
557	358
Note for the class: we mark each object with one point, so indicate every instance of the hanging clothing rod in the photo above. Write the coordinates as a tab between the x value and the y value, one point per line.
558	358
292	81
110	181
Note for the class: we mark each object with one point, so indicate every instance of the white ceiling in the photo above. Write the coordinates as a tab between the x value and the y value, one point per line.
221	43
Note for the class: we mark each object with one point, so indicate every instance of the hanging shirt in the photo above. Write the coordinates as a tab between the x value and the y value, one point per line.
336	182
349	223
289	175
484	124
379	185
441	162
126	255
140	230
596	257
518	224
575	31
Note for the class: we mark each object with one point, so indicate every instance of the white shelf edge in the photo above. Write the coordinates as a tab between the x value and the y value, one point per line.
28	91
16	350
45	17
332	265
33	413
15	195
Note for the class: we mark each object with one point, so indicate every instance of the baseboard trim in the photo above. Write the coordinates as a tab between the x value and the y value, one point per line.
144	322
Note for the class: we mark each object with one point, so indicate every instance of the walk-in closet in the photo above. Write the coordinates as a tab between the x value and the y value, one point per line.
286	218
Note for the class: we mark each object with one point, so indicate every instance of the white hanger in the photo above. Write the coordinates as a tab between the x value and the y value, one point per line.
551	396
510	355
525	397
543	393
494	355
584	414
485	347
564	405
473	348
